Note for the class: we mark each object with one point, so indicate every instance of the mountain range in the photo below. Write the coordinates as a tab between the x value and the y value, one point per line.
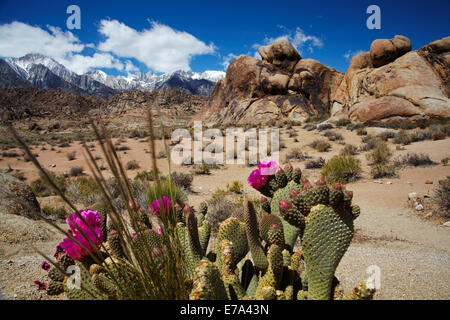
39	71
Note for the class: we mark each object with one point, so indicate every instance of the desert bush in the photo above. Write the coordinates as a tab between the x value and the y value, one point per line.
355	126
438	135
315	163
341	169
310	127
380	155
167	188
138	133
442	196
369	143
132	165
203	168
292	133
71	155
324	126
235	186
297	155
76	171
361	131
144	176
386	135
55	212
182	180
10	154
122	148
349	149
383	170
342	122
219	209
404	138
64	145
333	136
42	189
320	145
415	160
445	161
19	175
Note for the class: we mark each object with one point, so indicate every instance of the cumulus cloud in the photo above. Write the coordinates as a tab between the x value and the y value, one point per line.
350	54
19	38
160	48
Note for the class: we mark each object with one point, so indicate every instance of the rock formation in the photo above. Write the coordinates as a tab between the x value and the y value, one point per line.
388	83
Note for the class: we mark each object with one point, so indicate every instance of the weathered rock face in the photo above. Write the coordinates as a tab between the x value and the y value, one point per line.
17	198
390	83
281	86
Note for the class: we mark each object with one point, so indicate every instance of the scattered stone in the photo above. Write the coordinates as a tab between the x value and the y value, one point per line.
419	207
389	182
378	181
446	224
412	195
428	182
429	215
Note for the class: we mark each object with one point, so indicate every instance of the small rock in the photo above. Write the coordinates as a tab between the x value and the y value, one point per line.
389	182
53	165
15	295
428	182
446	224
419	207
412	195
378	181
429	215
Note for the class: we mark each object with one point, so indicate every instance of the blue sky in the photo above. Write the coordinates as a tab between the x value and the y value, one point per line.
120	37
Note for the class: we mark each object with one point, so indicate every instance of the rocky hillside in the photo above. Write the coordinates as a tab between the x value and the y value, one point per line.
388	83
58	104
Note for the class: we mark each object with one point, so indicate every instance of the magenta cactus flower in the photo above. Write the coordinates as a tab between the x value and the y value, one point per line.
41	285
259	177
94	222
167	205
268	167
45	265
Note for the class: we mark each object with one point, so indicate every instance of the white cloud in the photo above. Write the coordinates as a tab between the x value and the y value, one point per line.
19	38
160	48
298	38
350	54
227	60
130	67
81	64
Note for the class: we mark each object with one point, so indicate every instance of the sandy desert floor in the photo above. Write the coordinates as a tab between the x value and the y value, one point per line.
412	253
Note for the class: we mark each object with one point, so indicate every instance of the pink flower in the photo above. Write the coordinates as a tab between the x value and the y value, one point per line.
268	167
93	220
256	180
41	285
259	177
45	265
159	230
167	205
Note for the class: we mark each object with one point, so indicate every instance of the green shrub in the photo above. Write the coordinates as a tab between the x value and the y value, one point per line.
383	171
333	136
361	131
438	135
369	143
445	161
132	165
58	213
349	149
342	122
202	169
320	145
341	169
182	180
386	135
415	160
236	187
145	175
403	138
71	155
297	155
76	171
315	163
168	189
380	155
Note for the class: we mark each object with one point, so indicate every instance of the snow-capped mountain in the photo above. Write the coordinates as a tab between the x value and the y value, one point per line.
36	70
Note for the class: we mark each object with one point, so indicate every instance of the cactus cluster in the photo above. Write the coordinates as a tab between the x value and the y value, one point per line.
254	255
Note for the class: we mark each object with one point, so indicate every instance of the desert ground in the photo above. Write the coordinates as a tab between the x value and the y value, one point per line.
410	247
